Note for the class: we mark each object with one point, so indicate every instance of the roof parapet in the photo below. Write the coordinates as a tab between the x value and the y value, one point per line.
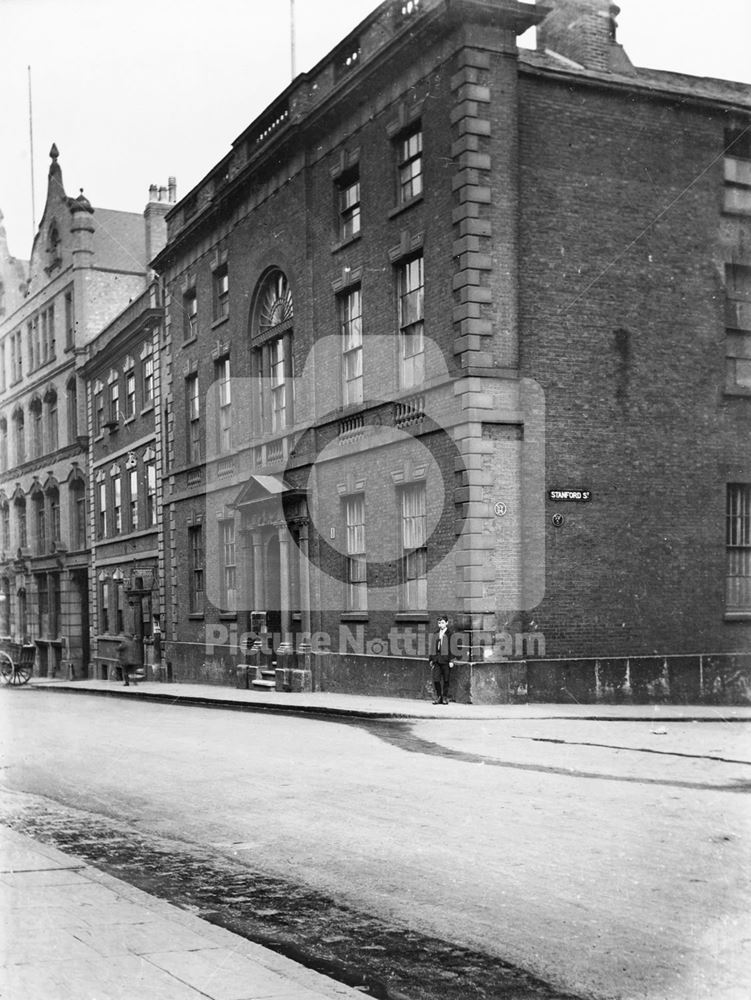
392	20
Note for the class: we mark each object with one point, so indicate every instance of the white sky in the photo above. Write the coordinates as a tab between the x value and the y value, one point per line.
133	91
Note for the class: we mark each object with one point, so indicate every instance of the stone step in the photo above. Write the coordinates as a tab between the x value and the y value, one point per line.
268	685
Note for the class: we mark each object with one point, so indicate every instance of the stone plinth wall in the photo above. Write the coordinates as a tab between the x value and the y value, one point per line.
721	679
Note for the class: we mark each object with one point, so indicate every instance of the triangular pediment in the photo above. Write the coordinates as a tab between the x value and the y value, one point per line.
260	489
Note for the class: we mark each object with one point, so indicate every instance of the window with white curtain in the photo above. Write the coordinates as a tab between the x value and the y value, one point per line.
357	585
414	547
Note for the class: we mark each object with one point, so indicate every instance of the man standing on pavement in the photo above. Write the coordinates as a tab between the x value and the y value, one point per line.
157	649
440	660
130	661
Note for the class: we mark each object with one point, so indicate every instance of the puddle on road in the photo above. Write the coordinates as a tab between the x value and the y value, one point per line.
380	960
615	746
400	734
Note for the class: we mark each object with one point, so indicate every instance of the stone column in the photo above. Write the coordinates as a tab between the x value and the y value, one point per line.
258	600
244	600
307	681
284	596
304	578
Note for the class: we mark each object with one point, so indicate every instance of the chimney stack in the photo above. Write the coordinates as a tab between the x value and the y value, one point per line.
161	200
584	32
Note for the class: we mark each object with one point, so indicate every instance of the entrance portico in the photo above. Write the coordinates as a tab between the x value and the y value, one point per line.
274	583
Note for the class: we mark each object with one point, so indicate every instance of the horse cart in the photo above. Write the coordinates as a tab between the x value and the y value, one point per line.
16	662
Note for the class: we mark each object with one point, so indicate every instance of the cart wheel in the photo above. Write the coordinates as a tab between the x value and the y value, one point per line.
21	675
6	667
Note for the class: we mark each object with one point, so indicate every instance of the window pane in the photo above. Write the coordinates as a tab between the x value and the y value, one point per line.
130	393
196	569
356	558
148	381
738	589
227	541
414	517
410	166
349	209
411	311
133	489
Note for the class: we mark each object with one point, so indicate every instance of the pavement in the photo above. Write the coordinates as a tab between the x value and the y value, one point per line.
324	703
69	930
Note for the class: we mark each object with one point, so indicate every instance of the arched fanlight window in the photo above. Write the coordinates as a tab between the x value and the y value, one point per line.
274	303
272	355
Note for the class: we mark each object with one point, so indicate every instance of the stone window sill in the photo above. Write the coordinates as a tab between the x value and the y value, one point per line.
398	209
345	243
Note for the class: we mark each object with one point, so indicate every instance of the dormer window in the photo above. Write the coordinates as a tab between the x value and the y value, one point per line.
54	257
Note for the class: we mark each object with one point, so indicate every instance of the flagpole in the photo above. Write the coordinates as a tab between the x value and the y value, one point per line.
292	37
31	152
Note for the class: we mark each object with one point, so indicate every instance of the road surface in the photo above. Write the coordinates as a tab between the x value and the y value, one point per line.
610	859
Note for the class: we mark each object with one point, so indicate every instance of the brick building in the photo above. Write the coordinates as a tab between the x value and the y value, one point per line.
460	327
86	265
123	400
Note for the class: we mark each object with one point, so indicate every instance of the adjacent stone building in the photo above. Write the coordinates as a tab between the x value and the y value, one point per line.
13	276
86	265
124	483
458	327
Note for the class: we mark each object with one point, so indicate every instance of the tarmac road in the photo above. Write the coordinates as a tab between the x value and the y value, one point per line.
610	859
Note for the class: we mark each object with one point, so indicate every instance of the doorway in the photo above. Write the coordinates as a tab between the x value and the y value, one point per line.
80	581
273	587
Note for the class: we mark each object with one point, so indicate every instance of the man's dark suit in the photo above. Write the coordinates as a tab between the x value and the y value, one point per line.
440	661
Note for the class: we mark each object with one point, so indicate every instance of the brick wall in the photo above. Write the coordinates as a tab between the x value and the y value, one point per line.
571	236
622	325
